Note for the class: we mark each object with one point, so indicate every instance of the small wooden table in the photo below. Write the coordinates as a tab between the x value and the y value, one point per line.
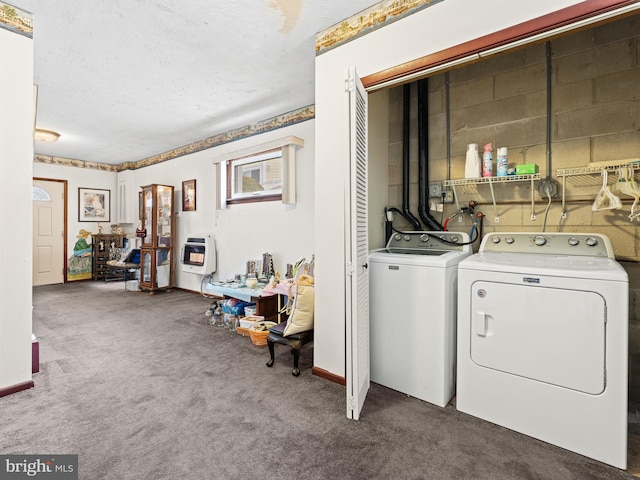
266	303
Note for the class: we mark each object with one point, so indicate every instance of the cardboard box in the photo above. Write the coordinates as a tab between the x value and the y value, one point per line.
526	169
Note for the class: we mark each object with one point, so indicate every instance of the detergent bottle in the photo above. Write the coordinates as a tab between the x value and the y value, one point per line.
473	165
487	161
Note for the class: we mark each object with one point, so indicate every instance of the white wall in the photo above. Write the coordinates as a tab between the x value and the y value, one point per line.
242	232
173	173
430	30
16	150
245	231
80	178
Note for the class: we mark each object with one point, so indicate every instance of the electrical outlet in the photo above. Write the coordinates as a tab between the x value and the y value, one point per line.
447	196
548	187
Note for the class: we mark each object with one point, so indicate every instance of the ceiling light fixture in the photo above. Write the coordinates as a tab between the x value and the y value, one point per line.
45	135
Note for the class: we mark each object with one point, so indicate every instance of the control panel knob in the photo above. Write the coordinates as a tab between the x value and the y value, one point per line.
424	237
495	239
407	237
454	239
397	237
509	240
573	241
592	242
539	240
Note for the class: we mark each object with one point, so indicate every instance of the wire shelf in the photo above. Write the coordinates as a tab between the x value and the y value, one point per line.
591	169
491	181
584	176
477	181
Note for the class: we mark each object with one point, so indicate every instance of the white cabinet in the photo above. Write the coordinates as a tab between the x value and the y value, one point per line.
127	201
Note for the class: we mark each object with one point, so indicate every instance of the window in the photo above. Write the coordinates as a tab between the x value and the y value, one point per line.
255	178
259	173
40	194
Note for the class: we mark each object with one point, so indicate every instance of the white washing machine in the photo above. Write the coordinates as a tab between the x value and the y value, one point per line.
542	340
412	313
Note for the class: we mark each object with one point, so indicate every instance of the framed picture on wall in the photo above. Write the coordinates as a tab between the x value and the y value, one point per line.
189	196
94	205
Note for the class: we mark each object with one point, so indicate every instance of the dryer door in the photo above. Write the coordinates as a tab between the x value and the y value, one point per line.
550	335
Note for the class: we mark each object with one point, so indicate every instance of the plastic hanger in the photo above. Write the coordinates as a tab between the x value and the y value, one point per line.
627	185
606	199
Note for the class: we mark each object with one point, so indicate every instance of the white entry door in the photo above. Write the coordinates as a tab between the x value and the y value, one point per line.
357	250
48	232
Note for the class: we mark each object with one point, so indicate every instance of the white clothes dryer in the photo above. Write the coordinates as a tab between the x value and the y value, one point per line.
412	313
542	340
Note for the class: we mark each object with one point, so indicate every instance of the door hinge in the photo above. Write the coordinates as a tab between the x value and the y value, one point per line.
349	84
350	269
351	403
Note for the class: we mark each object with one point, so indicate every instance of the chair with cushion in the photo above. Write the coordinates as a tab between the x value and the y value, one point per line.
121	269
298	329
294	341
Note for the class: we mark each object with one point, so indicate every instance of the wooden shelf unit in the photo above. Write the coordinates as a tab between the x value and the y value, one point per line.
105	247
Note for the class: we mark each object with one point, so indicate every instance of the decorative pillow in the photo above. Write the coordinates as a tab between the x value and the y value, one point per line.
116	254
301	317
124	254
134	256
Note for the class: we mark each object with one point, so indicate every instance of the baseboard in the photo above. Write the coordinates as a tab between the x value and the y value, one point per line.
188	290
16	388
329	376
208	295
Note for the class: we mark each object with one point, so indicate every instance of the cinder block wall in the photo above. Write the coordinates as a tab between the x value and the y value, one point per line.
595	117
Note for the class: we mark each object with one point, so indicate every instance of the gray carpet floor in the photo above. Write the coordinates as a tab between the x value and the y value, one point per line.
141	387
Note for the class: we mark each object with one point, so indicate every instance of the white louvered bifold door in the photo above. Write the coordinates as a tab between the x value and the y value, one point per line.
357	250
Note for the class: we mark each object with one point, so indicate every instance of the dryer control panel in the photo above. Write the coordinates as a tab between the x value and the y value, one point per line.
575	244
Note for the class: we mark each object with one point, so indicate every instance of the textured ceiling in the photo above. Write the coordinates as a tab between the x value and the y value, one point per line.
124	80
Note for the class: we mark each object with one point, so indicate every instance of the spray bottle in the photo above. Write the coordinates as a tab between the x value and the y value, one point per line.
487	161
502	162
473	165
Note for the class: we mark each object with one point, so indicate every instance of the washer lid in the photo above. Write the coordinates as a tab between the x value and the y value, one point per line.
440	259
415	251
598	268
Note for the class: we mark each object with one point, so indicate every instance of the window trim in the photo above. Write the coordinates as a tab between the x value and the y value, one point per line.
233	197
287	145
